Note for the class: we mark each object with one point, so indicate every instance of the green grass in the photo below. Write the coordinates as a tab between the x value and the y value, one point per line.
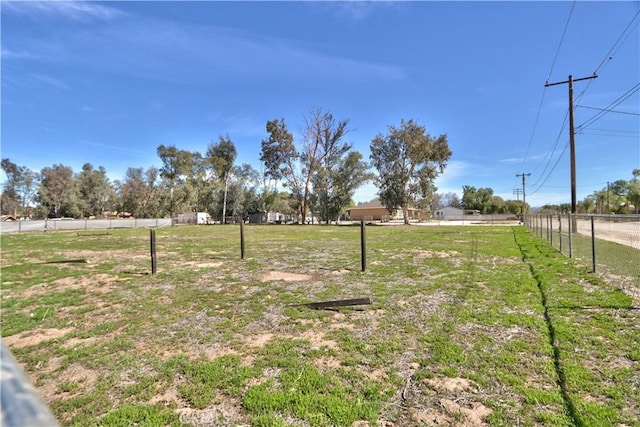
489	319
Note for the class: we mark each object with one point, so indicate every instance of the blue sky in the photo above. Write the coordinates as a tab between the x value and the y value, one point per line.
108	82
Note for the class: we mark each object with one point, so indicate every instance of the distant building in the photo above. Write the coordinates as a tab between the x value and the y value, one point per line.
449	212
376	211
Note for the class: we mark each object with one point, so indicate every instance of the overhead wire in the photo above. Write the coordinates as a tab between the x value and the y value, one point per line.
608	110
610	107
553	63
607	58
622	38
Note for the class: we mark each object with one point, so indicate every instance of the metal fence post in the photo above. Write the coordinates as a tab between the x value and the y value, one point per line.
593	243
241	238
560	230
363	246
152	234
571	224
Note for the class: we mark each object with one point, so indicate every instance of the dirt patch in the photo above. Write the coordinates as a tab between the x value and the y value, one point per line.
227	413
326	363
259	341
34	337
285	276
95	283
420	254
84	378
202	264
472	416
453	385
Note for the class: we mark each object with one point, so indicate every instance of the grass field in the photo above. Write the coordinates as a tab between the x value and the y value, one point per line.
468	326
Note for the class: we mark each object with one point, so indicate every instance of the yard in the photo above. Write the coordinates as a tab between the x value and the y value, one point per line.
469	326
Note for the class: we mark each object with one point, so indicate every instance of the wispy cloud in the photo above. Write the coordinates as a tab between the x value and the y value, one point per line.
73	10
449	181
50	81
22	54
353	10
171	51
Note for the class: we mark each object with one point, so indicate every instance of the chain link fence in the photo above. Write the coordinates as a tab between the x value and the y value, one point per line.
607	244
69	224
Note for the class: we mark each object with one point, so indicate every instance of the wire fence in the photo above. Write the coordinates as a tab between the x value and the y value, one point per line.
68	224
607	244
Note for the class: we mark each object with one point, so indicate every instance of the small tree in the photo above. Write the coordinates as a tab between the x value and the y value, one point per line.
408	160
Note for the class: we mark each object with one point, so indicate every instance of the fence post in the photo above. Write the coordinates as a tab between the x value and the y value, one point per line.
560	230
593	243
540	228
153	250
363	246
550	222
241	238
571	224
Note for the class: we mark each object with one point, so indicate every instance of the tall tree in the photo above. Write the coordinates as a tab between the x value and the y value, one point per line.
281	159
176	166
408	160
19	189
55	186
479	199
94	190
139	193
221	157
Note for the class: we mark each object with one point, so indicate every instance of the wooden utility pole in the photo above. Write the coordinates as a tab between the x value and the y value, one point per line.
572	141
524	193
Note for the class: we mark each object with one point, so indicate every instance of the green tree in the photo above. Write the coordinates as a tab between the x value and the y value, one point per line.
479	199
56	188
280	157
176	167
139	193
19	189
408	160
221	157
94	190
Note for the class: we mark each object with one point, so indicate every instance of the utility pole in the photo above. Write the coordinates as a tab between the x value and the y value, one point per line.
524	193
608	202
517	192
572	138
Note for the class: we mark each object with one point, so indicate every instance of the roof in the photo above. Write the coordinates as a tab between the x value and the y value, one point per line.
375	204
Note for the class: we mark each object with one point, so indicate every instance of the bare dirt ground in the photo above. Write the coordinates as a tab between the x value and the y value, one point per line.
625	233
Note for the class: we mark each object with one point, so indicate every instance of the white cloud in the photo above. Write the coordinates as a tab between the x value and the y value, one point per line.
50	81
171	51
366	193
73	10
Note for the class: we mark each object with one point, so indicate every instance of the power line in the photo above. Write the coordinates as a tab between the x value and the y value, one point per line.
564	32
551	171
609	111
551	152
614	104
612	51
609	56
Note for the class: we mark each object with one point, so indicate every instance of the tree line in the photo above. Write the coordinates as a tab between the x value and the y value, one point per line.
318	174
618	197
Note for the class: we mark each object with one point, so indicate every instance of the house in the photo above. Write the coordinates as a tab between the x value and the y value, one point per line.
376	211
451	213
7	218
448	213
193	218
